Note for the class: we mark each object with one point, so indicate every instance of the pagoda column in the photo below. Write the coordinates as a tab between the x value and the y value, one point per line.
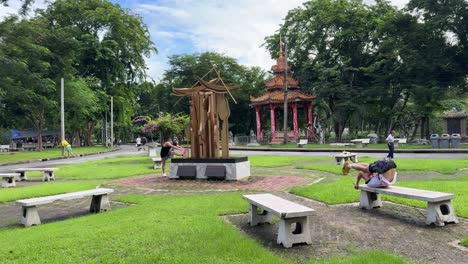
295	126
259	122
273	121
310	130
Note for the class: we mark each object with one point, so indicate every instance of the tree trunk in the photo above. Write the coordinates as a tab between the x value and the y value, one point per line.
423	124
415	131
37	119
426	134
89	134
77	139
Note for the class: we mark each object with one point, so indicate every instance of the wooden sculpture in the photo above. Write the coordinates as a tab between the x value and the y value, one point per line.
207	105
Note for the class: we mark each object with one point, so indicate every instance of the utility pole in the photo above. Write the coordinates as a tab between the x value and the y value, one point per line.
112	122
105	131
285	91
62	114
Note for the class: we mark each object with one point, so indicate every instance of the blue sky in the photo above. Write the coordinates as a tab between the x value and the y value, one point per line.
235	28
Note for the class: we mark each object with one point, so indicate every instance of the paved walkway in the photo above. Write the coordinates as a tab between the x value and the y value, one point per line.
271	183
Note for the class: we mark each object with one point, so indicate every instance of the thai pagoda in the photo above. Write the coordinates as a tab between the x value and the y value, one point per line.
273	101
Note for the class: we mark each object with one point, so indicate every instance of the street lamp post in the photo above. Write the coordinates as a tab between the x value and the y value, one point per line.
285	91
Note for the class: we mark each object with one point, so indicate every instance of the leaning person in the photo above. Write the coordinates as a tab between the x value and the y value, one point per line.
167	153
68	147
379	174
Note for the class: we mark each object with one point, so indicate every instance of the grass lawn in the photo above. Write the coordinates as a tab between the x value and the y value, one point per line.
370	146
45	189
465	242
108	168
326	192
445	166
281	161
48	153
158	229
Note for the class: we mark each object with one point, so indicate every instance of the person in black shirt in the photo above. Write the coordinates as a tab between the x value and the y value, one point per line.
167	153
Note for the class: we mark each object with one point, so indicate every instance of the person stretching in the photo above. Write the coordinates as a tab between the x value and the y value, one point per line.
167	153
379	174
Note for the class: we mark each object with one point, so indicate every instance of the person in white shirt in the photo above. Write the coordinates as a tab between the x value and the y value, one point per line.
138	143
390	143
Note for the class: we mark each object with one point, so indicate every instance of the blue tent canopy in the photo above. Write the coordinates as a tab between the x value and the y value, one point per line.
22	134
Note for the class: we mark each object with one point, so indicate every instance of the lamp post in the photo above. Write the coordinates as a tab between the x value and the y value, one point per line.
285	91
112	122
62	114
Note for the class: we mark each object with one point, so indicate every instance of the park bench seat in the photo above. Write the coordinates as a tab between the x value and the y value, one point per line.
4	148
360	142
8	179
302	142
30	215
48	173
439	206
344	156
399	141
157	163
288	212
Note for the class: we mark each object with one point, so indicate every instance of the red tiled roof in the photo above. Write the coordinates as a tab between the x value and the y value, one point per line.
278	82
278	97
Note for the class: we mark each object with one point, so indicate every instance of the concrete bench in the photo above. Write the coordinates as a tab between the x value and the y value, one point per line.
4	148
361	142
302	142
344	156
157	163
8	179
30	215
48	173
399	141
341	144
288	212
439	206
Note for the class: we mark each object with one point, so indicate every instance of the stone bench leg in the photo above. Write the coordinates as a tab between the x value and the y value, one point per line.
440	213
340	161
369	200
21	176
354	159
48	176
99	203
256	218
289	236
8	182
157	165
30	216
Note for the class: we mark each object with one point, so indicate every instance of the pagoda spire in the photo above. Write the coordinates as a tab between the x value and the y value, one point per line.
281	53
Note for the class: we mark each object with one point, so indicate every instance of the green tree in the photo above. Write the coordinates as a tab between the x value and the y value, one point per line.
331	47
26	79
109	46
184	67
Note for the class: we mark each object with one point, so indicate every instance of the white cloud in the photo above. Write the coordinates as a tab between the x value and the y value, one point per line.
234	28
15	5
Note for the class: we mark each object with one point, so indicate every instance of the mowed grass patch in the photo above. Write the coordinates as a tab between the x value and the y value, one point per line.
464	242
280	161
47	154
109	168
45	189
341	191
157	229
445	166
